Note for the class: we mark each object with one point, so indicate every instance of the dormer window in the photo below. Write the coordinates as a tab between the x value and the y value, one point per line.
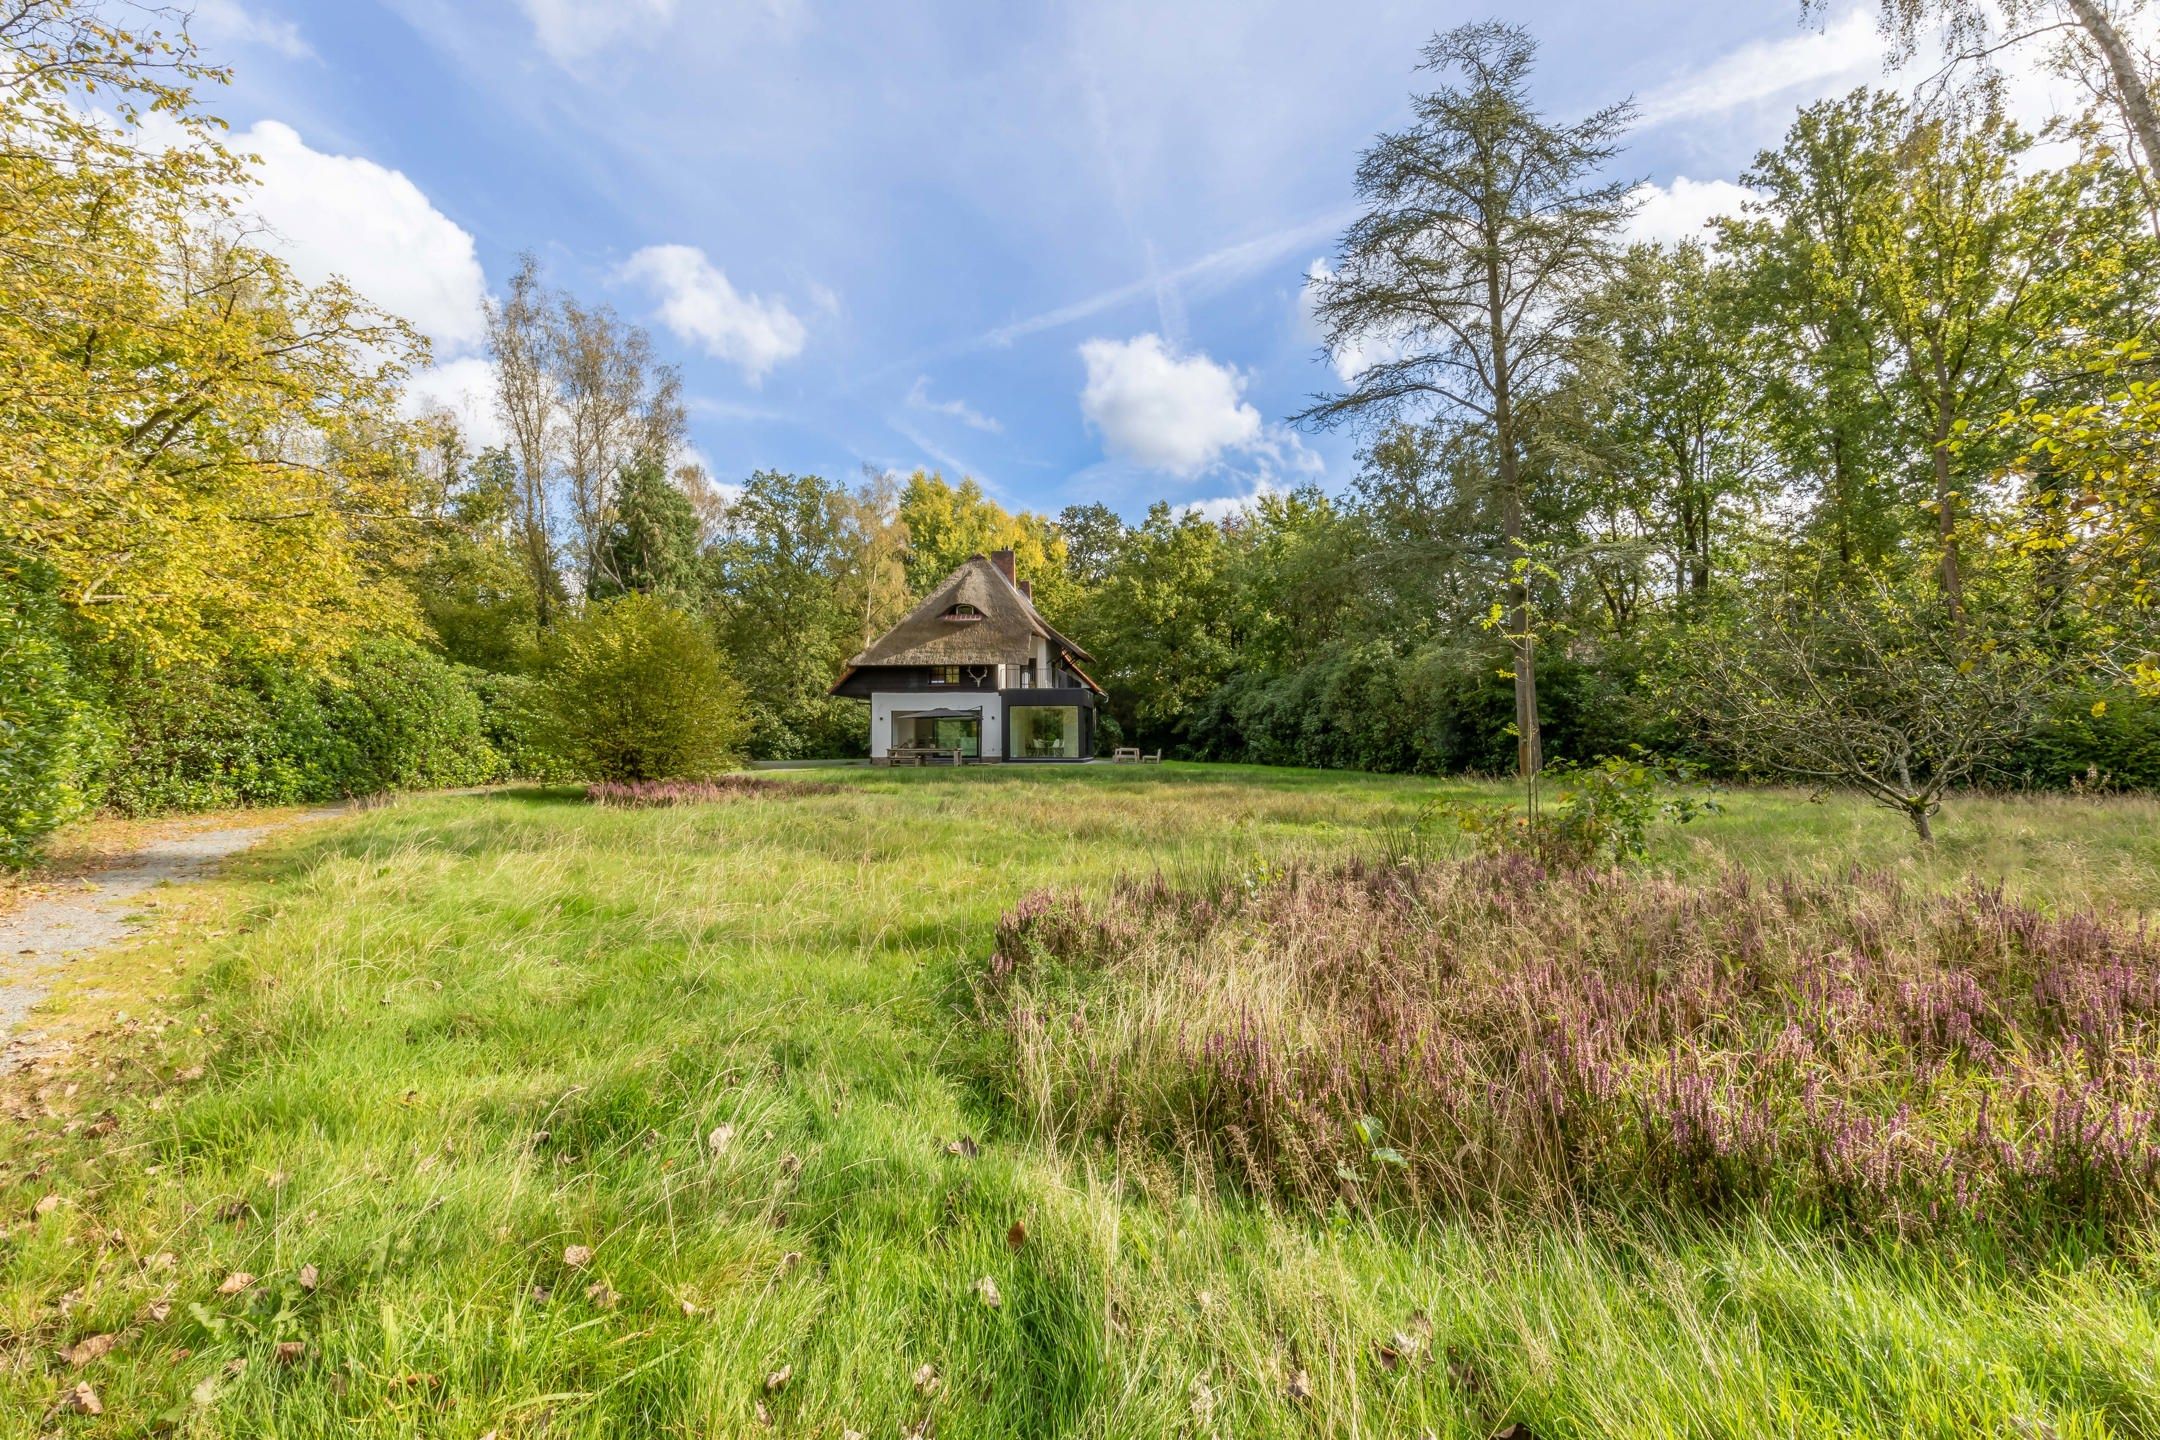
963	614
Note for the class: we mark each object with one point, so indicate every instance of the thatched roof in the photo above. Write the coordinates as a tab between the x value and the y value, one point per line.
1004	635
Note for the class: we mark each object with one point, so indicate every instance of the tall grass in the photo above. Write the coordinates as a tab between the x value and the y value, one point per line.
429	1049
1485	1034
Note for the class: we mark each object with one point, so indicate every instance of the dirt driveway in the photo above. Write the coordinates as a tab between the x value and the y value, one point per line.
41	937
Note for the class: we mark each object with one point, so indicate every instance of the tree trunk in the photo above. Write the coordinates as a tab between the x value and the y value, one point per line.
1917	813
1529	755
2137	100
1946	516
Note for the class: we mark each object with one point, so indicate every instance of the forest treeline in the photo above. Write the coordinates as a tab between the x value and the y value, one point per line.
1858	487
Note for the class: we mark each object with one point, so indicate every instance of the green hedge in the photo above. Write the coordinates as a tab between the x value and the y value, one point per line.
391	716
2100	739
52	744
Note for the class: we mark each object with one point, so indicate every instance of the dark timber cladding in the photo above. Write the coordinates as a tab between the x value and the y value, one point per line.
976	647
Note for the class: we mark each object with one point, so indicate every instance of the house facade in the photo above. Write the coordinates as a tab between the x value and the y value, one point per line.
975	668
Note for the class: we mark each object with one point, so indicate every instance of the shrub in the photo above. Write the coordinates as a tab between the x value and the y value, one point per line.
1590	814
390	716
1844	1052
634	690
2101	740
515	723
51	741
409	720
643	794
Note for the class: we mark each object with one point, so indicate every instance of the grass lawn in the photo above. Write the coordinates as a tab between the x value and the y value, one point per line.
508	1114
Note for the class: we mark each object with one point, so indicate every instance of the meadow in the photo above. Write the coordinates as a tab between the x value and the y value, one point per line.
512	1114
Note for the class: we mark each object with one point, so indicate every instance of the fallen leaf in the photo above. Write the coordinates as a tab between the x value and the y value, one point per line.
577	1257
927	1381
987	1289
790	1163
779	1378
236	1282
721	1137
964	1147
851	1435
236	1367
1300	1386
157	1310
1016	1237
83	1401
599	1293
45	1206
233	1210
204	1392
540	1294
1390	1352
190	1075
290	1352
1421	1325
790	1260
308	1276
1515	1430
764	1416
164	1260
92	1347
689	1309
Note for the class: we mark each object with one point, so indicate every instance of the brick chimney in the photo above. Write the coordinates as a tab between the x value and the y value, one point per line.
1027	588
1003	559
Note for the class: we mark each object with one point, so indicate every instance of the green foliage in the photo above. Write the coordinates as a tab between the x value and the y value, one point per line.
783	585
50	740
633	689
389	716
651	546
514	719
2101	740
1605	812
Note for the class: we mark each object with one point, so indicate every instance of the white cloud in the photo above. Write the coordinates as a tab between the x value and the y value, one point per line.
570	30
1162	410
919	399
698	304
1219	508
1681	211
232	23
1847	49
465	388
348	216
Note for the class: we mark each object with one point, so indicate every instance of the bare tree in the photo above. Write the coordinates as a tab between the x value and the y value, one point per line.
1486	224
1977	30
520	342
1895	701
582	399
619	407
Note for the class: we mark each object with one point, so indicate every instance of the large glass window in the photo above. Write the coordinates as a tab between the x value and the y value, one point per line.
1046	732
945	732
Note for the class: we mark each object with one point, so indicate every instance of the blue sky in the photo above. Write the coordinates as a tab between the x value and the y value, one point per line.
1059	247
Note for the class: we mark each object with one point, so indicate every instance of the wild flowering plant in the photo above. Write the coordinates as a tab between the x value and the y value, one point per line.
1495	1034
640	793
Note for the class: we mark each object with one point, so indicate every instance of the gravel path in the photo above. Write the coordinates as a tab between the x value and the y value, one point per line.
40	939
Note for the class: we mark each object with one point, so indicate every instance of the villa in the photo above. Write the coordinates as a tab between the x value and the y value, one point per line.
975	673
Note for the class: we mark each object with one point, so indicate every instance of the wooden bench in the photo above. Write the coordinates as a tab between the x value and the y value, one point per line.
1125	755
